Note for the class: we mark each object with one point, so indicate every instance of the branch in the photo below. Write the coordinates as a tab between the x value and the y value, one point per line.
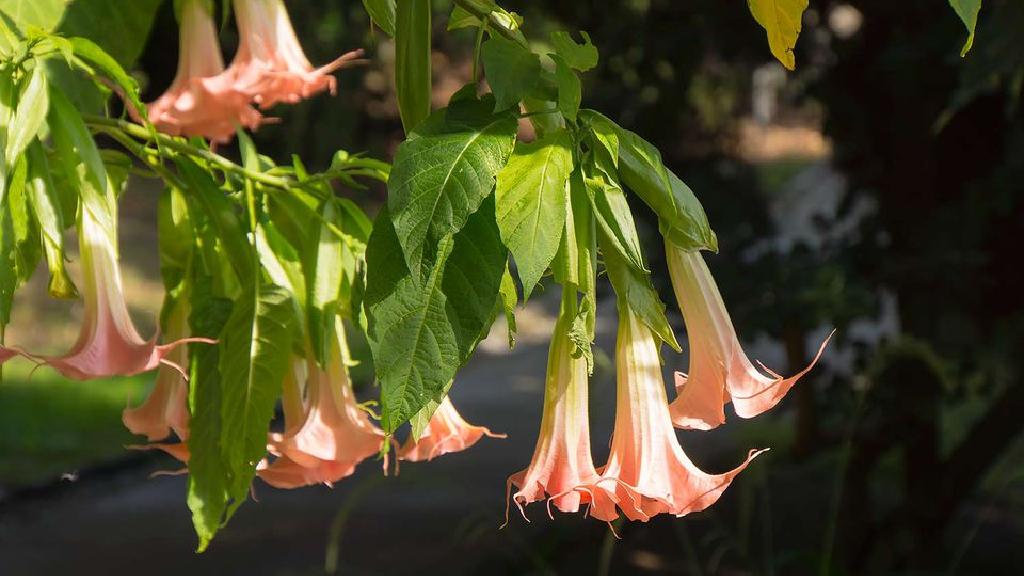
110	125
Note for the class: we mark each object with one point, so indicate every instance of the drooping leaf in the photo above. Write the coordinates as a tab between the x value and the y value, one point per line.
412	61
46	207
580	57
511	69
255	349
636	290
531	201
611	210
222	215
681	217
509	301
33	104
208	479
569	89
442	174
382	12
967	10
421	333
781	19
105	65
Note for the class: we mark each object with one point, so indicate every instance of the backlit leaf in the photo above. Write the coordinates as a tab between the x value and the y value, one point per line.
781	19
531	201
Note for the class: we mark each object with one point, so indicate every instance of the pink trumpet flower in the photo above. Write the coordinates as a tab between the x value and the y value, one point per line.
201	101
447	432
719	370
647	472
270	66
166	408
108	344
561	460
332	436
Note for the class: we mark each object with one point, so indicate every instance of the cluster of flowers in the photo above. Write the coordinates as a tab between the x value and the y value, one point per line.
647	472
270	67
326	432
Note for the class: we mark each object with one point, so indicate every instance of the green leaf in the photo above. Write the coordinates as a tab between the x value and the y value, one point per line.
512	71
255	349
42	14
584	235
681	217
421	334
46	206
612	212
106	65
412	61
82	163
569	89
443	172
531	201
382	13
119	28
967	10
781	19
509	300
461	18
580	57
208	475
222	214
33	104
636	290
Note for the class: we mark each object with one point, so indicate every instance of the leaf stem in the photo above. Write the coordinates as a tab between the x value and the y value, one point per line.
109	125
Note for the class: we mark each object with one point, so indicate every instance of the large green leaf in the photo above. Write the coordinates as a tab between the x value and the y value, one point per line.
421	333
512	71
442	174
967	10
255	348
531	199
781	19
208	480
681	217
412	61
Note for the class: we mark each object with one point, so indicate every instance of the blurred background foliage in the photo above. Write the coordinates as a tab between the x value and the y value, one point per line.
879	190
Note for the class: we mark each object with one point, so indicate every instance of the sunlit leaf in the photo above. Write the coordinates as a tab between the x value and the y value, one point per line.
421	333
781	19
580	57
531	201
512	71
442	174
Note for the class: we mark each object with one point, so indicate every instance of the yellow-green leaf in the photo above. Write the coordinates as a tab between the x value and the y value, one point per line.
967	10
781	20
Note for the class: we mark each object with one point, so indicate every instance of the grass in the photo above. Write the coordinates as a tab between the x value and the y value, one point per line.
50	426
